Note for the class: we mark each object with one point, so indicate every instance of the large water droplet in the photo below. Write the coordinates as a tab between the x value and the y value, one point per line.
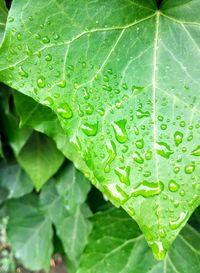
123	174
173	186
139	143
179	221
163	149
147	189
111	148
141	114
138	158
120	130
90	129
41	82
178	138
189	168
64	111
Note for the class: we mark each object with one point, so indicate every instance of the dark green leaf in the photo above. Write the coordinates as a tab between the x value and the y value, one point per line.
15	180
30	233
69	216
116	245
40	159
122	78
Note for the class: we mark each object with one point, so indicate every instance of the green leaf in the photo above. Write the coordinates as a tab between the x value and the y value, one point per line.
3	17
30	233
15	180
122	78
116	245
40	159
16	137
69	216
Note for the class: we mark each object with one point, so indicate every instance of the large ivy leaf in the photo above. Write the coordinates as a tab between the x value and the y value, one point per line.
40	159
30	233
116	245
15	180
3	17
69	216
122	78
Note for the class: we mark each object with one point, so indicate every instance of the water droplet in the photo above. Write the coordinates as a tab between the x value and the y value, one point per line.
22	72
147	189
89	109
48	57
64	111
138	158
120	130
189	168
163	149
62	83
196	151
46	40
41	82
90	129
106	78
139	143
111	148
115	193
158	249
48	101
178	138
141	114
173	186
148	155
123	174
179	221
11	19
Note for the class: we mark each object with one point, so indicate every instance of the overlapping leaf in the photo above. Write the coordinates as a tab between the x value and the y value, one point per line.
123	79
117	245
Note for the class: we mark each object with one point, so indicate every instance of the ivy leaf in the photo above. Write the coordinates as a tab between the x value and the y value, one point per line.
40	159
122	78
3	17
116	245
15	180
30	233
69	217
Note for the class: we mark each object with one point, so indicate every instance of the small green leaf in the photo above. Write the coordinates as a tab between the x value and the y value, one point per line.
15	180
116	245
69	215
40	159
30	233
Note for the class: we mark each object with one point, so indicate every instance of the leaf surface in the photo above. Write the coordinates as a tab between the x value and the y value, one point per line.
3	17
123	79
30	233
40	159
69	216
116	245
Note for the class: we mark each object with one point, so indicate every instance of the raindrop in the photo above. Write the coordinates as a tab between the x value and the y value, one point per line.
120	130
123	174
189	168
178	138
173	186
179	221
90	129
41	82
111	149
196	151
64	111
22	72
147	189
163	150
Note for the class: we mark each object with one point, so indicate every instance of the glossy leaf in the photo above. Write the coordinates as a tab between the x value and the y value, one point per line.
15	180
116	245
122	78
40	159
69	216
30	233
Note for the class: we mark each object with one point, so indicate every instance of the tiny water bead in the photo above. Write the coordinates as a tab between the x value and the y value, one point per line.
48	57
62	83
120	130
139	143
90	129
64	111
41	82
